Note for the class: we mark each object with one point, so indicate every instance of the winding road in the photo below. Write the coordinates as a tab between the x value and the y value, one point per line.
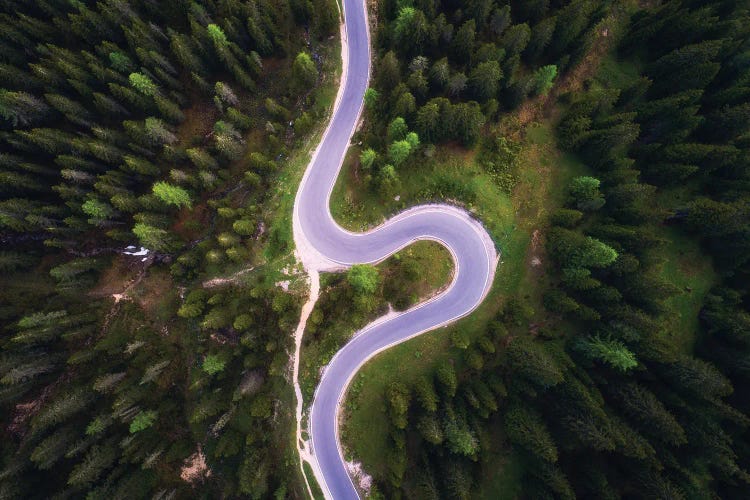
324	246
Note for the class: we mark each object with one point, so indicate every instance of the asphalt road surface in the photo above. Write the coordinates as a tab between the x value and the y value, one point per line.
471	247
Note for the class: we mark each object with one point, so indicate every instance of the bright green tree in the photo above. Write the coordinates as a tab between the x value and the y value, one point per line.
217	35
142	421
143	84
397	129
172	195
371	98
399	151
152	237
609	351
304	72
544	78
367	158
97	210
585	194
594	253
213	364
364	278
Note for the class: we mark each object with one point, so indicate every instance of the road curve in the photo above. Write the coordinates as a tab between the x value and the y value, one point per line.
325	246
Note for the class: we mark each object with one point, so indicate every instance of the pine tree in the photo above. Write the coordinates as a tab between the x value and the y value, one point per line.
540	38
143	84
649	413
463	41
485	79
526	429
533	363
544	79
611	352
426	395
304	72
98	459
398	404
516	39
410	30
21	108
446	376
51	449
172	195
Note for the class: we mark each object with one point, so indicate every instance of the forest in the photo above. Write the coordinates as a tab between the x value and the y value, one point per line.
599	392
148	295
141	144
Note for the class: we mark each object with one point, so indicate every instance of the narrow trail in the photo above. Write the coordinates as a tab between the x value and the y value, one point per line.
322	245
307	308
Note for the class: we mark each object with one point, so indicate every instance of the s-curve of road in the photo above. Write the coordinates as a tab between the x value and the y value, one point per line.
325	246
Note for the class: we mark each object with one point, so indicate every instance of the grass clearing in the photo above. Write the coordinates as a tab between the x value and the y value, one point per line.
614	73
691	271
450	174
157	295
501	477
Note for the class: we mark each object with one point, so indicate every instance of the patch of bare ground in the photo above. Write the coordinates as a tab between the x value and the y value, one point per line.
120	281
192	222
151	293
199	122
124	273
361	478
230	280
